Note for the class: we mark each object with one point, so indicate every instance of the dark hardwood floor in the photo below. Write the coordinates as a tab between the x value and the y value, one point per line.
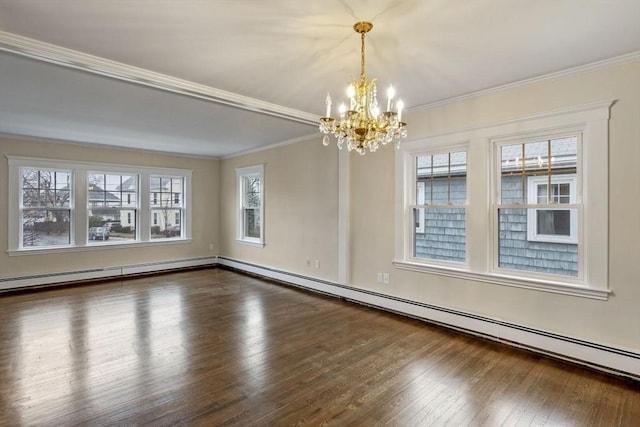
214	347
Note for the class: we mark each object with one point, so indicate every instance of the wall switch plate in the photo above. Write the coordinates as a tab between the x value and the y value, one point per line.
379	277
385	278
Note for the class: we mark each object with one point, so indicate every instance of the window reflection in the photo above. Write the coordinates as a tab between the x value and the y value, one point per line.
254	336
44	346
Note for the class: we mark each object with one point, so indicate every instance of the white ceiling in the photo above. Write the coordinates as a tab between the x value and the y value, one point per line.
240	75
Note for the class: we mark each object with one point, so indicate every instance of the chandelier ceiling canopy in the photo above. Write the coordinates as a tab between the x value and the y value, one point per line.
361	124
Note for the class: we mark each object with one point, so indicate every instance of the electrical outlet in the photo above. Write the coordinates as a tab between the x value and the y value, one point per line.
317	263
211	246
385	278
379	277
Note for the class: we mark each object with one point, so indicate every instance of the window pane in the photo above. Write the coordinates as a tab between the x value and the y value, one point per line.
111	190
166	192
252	223
548	158
165	223
441	179
46	188
440	234
516	252
43	227
553	222
252	191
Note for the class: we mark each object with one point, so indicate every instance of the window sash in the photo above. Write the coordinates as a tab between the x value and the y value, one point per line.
439	198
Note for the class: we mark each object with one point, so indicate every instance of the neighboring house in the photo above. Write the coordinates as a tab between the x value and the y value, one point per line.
104	204
166	200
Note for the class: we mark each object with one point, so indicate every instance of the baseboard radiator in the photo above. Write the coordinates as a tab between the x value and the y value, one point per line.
39	280
609	359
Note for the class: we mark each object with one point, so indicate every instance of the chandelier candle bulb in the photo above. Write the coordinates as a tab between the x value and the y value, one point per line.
328	102
390	94
400	106
351	93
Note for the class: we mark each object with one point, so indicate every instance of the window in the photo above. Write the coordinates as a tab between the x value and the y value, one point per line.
166	206
519	203
116	203
250	184
110	195
439	212
535	232
45	208
553	224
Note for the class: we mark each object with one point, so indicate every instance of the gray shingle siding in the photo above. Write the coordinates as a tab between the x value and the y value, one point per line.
444	236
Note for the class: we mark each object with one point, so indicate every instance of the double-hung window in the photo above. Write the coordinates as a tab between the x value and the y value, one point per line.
45	207
167	196
439	211
538	210
113	206
250	186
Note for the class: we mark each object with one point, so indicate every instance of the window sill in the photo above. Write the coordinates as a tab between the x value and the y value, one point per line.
254	243
95	246
506	280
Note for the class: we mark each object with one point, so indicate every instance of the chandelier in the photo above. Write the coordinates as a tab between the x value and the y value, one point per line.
363	126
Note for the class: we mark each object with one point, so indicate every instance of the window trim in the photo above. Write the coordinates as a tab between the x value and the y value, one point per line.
80	220
241	174
482	193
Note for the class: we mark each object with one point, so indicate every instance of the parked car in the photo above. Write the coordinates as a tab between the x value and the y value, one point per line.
98	233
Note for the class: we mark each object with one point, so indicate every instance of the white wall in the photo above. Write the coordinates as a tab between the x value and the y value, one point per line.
614	323
301	210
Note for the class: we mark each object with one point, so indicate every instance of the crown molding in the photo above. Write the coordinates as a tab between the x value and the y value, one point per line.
58	55
607	63
272	146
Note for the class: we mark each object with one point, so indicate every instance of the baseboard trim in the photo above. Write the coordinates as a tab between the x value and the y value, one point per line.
23	282
597	356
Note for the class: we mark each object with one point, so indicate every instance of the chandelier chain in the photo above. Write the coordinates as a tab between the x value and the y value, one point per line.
363	76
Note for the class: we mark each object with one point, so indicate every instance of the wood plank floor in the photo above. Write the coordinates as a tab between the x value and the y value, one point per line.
214	348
